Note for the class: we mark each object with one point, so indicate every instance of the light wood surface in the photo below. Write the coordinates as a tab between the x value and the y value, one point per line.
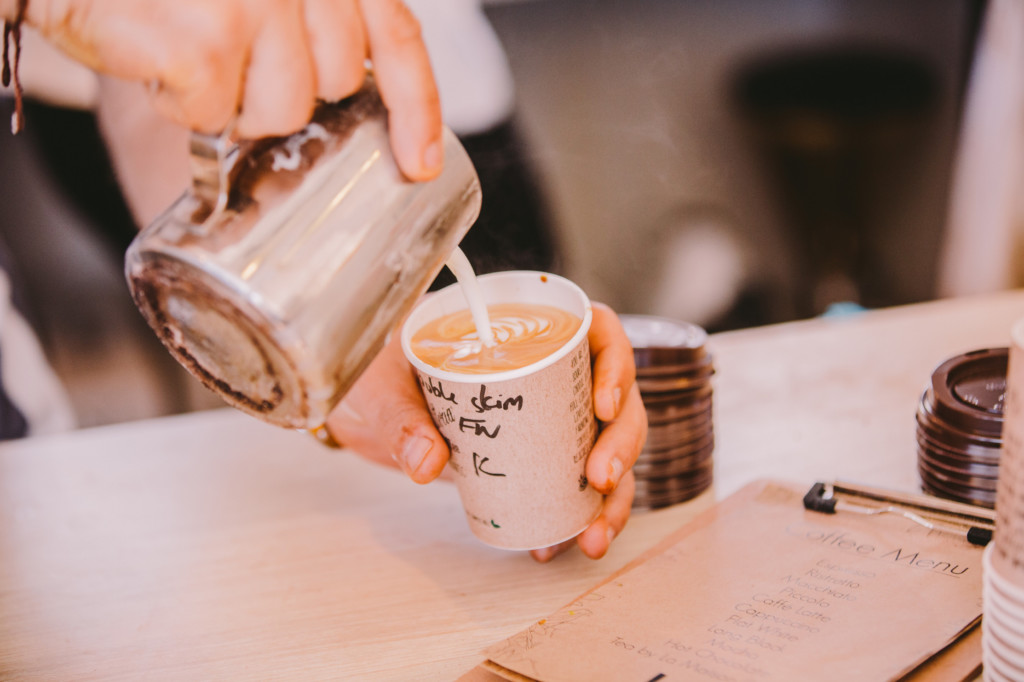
212	546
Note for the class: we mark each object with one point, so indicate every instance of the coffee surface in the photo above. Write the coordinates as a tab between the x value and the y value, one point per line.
524	334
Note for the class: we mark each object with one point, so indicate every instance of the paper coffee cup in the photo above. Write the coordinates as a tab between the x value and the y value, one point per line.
1003	560
1007	595
1008	553
519	438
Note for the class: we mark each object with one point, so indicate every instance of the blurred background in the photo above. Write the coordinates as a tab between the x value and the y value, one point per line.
732	163
740	154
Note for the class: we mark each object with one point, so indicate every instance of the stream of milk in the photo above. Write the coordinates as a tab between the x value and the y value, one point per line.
463	271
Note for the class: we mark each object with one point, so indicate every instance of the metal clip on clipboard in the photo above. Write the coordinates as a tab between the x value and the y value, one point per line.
976	524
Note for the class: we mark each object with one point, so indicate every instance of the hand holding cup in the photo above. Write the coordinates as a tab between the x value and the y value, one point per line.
385	418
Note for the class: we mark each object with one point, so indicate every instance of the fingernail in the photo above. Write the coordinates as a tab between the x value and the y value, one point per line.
615	470
611	534
433	156
544	554
414	450
605	412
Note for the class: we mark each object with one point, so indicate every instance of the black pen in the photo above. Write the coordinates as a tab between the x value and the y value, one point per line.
979	524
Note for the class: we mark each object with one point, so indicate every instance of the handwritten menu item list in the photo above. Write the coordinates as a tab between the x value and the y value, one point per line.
760	589
519	448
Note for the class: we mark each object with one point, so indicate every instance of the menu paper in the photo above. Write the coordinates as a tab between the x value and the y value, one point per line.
759	589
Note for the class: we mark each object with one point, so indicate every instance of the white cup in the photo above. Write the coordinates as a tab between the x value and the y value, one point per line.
519	438
1003	560
1008	554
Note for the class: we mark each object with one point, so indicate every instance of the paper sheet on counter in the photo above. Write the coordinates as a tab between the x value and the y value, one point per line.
758	589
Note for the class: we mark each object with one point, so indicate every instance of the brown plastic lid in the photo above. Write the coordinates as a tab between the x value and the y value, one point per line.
659	341
673	383
677	483
673	373
951	435
645	469
988	456
953	471
959	427
959	493
968	391
682	451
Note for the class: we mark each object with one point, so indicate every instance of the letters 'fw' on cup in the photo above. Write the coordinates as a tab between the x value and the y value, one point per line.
519	438
276	278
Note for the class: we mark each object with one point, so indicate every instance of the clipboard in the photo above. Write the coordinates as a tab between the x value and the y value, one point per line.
762	588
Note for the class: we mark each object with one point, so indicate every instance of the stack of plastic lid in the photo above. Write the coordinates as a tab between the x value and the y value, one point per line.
959	427
674	376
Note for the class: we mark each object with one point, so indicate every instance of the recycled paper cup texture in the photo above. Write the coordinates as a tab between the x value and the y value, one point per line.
1008	554
519	438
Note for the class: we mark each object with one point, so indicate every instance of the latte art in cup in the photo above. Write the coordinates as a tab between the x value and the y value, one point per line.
524	334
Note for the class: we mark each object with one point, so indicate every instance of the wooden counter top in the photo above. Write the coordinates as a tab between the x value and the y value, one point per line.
212	546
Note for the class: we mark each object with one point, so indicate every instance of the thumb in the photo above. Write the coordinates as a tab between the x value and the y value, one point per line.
385	419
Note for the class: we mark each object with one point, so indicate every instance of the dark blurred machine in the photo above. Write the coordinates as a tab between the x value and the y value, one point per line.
827	121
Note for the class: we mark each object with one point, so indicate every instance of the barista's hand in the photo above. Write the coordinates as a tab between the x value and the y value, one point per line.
623	418
265	60
385	418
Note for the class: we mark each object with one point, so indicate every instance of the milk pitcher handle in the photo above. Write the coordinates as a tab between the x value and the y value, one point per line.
211	158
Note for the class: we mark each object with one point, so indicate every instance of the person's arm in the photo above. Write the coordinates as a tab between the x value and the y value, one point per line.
384	418
266	61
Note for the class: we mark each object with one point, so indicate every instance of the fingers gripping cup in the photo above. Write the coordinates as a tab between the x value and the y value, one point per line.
520	427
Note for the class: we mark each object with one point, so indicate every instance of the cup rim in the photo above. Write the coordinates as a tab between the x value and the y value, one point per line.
997	645
999	582
1004	611
1002	617
491	377
1000	640
994	665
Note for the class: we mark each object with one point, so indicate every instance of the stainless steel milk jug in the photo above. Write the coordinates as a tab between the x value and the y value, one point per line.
277	276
